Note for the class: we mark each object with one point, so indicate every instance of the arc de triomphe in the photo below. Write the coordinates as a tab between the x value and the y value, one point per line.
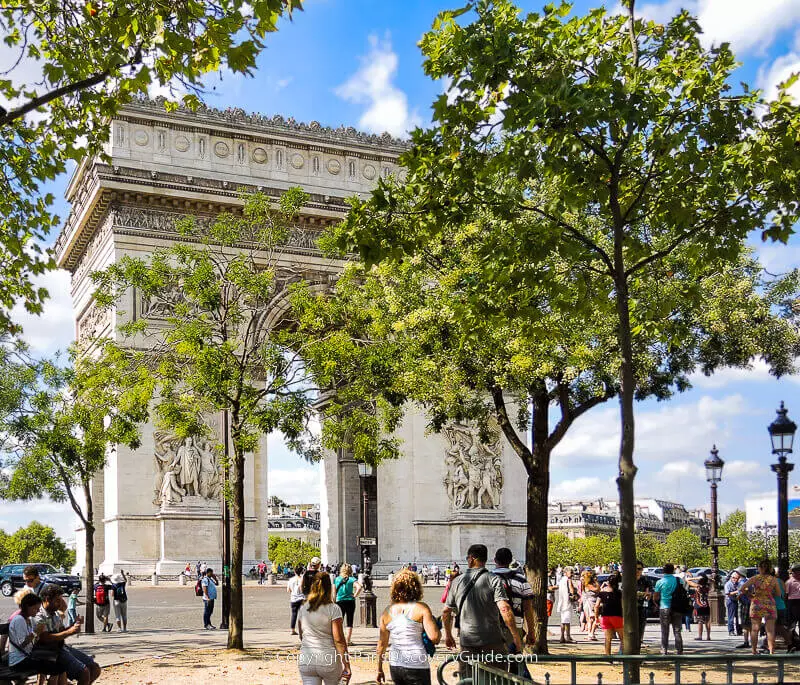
159	505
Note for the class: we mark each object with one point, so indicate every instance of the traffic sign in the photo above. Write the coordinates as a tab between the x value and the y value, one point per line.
367	542
719	542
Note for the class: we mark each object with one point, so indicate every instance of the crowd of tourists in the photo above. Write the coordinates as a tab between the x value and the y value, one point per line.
493	613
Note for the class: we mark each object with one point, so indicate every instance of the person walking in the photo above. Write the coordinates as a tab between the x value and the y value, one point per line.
404	621
296	597
347	589
323	649
119	582
591	588
308	576
762	589
701	607
474	599
262	571
519	594
731	590
102	601
644	595
209	585
566	597
744	608
664	591
608	610
793	597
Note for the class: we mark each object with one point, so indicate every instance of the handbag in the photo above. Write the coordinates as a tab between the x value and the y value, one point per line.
430	648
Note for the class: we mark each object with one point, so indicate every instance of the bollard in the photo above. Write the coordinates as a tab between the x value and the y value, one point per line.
154	579
369	614
272	579
391	578
182	578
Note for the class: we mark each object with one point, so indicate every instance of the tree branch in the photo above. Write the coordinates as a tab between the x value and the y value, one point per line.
507	427
37	102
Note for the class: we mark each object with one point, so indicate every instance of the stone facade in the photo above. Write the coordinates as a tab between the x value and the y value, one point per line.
159	505
582	518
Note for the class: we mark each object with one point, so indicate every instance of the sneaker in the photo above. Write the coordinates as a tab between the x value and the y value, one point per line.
743	645
210	627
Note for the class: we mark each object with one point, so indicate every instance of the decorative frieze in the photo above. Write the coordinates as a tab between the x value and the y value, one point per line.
93	324
474	477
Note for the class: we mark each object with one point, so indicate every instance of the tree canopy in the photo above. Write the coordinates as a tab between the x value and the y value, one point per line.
73	64
35	543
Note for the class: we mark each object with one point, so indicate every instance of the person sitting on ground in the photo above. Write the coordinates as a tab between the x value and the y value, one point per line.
323	649
78	666
404	621
23	634
608	610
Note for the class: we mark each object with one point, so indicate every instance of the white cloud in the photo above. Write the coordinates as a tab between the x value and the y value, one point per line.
770	78
759	372
742	469
779	259
675	470
667	432
372	85
747	25
296	486
582	488
54	329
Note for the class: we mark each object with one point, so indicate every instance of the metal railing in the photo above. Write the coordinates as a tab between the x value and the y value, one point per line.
483	673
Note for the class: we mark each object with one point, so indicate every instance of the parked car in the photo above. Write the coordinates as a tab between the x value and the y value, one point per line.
654	571
11	578
699	571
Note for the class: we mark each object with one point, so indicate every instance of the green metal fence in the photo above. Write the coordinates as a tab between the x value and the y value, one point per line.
760	669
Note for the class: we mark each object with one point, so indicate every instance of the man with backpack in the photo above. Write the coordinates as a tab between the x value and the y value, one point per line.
209	587
102	601
119	582
518	590
670	593
481	607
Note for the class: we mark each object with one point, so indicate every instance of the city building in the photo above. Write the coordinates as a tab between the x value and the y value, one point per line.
582	518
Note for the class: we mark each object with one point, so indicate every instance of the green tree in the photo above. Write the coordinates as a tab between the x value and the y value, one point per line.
743	548
36	544
91	57
596	550
63	427
236	343
560	550
683	547
610	115
291	551
649	549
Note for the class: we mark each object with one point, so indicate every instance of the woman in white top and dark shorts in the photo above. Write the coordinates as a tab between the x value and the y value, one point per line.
404	621
22	637
323	650
296	597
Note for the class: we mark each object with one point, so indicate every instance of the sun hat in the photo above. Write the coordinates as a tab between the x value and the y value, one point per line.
315	561
742	571
117	578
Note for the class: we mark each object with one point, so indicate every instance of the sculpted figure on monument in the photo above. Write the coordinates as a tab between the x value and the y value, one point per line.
474	477
185	467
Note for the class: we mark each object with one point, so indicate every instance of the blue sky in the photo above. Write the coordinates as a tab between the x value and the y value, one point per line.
355	62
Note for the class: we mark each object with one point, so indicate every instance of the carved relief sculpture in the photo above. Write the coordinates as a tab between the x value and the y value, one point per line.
184	467
474	477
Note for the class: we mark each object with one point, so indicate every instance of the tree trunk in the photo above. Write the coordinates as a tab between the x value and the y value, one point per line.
536	544
236	620
88	577
88	560
627	471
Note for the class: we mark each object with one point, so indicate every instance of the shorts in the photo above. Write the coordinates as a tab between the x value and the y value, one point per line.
102	610
73	662
348	607
611	622
566	616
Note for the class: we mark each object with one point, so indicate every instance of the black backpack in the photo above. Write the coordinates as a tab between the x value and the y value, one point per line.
680	599
120	593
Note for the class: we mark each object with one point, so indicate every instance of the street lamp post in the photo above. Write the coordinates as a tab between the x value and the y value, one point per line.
714	466
368	597
781	433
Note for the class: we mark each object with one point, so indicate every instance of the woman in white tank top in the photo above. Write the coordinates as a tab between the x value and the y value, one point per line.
404	622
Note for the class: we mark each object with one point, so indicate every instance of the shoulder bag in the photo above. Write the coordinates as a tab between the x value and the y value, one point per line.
467	590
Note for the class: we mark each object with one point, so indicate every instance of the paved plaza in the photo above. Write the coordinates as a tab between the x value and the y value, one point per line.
166	643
